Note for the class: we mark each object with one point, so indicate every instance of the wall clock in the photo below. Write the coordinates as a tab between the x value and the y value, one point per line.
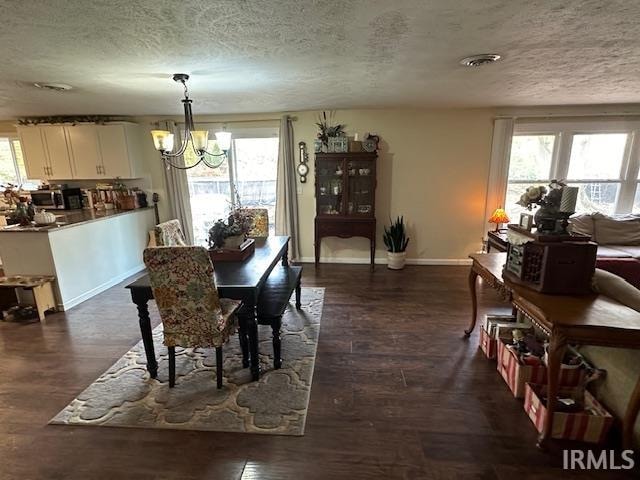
303	168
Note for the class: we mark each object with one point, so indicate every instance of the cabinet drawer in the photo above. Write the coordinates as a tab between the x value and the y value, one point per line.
343	229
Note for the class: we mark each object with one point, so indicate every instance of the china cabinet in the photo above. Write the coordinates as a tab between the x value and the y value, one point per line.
345	197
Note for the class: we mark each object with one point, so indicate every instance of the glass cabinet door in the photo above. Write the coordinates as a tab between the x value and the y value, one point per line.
330	186
361	187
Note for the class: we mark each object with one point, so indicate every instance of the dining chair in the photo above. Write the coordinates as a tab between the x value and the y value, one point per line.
260	222
192	314
169	234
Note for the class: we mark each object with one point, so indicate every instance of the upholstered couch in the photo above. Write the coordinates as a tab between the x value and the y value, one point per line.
618	239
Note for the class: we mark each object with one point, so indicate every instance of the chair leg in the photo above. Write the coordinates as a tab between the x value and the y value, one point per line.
219	367
275	327
298	292
172	366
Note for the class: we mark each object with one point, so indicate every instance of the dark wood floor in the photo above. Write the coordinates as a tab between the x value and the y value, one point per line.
397	393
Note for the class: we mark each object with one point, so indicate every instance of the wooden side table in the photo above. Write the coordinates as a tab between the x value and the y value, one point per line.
497	241
40	285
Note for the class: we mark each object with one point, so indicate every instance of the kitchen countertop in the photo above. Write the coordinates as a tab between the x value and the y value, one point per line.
71	218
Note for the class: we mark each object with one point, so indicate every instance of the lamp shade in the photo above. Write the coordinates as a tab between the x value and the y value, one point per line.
162	140
499	216
200	139
224	140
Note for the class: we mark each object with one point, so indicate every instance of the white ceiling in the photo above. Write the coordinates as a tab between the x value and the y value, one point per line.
287	55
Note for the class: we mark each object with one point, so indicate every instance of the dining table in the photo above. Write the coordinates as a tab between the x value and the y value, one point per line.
238	280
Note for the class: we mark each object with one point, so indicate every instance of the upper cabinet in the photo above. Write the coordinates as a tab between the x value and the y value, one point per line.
81	152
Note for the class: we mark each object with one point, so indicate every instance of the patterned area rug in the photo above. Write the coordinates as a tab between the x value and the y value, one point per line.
125	395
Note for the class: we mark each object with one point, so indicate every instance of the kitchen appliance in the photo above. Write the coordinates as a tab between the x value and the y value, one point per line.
57	198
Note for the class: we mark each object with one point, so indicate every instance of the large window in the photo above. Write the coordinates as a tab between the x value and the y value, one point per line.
599	157
12	169
251	167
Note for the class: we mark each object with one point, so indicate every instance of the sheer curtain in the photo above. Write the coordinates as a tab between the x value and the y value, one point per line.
499	166
178	187
286	195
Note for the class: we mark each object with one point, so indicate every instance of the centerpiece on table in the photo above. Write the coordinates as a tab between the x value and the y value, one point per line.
557	204
228	238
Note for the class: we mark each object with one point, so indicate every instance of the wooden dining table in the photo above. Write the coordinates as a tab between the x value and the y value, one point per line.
241	280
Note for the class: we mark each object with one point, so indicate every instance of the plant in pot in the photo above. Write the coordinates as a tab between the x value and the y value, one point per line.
230	233
396	240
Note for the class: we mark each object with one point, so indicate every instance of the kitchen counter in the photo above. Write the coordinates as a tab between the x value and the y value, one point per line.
87	252
71	218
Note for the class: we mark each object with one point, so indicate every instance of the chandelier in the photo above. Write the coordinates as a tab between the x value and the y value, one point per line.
198	139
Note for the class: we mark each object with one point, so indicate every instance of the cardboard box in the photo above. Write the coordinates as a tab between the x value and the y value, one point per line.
591	425
517	374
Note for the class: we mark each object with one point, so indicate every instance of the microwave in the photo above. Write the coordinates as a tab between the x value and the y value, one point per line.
57	199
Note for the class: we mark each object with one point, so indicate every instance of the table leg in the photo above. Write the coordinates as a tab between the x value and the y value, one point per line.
372	242
285	256
630	416
557	349
141	302
473	275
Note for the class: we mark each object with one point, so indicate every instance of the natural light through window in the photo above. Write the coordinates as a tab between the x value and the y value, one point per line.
595	156
252	167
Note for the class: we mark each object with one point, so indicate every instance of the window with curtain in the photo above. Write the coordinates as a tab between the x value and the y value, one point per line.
251	166
599	157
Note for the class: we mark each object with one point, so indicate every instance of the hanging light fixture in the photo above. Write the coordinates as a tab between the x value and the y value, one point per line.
163	140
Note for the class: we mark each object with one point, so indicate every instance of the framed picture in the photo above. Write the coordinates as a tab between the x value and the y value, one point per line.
338	144
526	221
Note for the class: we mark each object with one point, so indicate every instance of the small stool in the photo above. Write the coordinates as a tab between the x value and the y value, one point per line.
40	285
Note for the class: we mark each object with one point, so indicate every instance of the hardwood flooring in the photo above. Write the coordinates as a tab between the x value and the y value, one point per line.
397	393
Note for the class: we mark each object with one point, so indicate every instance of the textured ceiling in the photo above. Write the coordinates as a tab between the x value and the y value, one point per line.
277	55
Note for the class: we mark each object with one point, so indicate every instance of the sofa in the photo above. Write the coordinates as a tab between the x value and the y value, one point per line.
618	239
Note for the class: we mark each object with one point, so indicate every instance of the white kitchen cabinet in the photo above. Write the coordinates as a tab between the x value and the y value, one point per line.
55	140
34	152
82	152
85	151
120	149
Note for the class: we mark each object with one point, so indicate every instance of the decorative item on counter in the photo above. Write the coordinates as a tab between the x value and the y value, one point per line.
42	217
396	241
355	145
338	144
553	214
526	221
327	130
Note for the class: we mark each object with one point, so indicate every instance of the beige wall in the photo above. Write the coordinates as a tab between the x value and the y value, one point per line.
432	169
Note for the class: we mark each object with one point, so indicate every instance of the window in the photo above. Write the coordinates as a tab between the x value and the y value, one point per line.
597	156
251	167
12	169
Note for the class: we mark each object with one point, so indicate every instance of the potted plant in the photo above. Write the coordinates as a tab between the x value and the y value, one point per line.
230	233
396	241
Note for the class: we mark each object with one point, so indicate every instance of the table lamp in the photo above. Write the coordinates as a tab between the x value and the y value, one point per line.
498	216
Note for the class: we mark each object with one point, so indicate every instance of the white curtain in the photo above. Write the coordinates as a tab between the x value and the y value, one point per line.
286	195
499	167
178	198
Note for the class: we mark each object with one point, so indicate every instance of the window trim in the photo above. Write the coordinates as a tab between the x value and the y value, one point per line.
564	132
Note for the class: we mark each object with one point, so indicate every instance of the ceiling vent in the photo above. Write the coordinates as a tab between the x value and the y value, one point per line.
56	87
479	60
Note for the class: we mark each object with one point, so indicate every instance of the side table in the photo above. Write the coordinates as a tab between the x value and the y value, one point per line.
497	241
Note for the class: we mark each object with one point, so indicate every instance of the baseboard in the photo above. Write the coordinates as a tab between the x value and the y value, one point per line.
383	261
100	288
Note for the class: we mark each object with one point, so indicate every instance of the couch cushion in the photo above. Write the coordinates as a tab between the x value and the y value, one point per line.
632	250
582	224
613	286
617	230
609	251
627	268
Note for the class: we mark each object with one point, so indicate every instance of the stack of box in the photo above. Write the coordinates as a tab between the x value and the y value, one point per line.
498	327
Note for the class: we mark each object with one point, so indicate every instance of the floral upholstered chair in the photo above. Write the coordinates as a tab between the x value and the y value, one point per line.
169	234
260	222
192	313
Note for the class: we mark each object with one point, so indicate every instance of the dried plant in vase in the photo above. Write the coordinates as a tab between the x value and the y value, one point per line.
326	128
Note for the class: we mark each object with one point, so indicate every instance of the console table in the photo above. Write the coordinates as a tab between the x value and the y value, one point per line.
586	320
